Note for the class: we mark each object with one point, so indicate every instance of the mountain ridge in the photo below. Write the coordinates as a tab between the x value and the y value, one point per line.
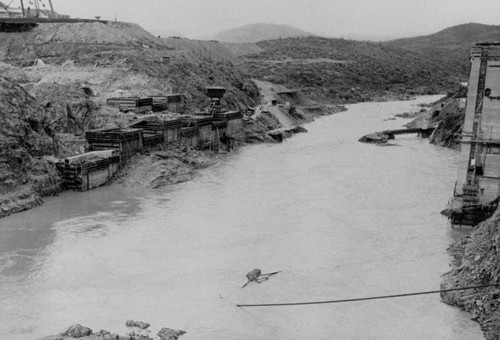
257	32
451	45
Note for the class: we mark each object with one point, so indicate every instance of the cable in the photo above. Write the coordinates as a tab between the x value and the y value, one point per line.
364	298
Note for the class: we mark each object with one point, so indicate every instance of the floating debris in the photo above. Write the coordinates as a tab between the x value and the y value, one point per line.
257	276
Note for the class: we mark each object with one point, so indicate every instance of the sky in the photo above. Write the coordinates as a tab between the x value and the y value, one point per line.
361	19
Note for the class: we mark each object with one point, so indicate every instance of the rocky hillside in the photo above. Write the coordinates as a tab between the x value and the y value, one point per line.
450	114
346	71
258	32
450	46
26	139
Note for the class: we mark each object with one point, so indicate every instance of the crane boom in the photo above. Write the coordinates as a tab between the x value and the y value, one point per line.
53	14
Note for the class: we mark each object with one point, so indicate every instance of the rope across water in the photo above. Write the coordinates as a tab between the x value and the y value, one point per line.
363	298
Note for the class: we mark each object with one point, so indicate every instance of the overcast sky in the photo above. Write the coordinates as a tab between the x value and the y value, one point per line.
371	19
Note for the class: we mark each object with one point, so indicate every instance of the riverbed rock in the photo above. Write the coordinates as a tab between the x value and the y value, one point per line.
170	334
141	324
77	331
130	323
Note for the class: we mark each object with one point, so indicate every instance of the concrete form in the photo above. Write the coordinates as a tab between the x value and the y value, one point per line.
169	129
175	102
156	103
135	104
234	123
89	170
203	124
126	141
189	136
478	181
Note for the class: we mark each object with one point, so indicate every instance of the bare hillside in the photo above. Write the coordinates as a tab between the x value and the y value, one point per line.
203	49
450	46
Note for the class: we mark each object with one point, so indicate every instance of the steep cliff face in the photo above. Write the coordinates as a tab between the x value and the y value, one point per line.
25	144
476	262
451	117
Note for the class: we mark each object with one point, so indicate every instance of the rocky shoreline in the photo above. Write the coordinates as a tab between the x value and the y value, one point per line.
138	331
475	262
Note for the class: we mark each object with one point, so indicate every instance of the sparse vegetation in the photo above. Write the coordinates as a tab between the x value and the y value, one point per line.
347	71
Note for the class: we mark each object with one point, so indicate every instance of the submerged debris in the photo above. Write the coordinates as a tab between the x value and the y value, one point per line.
377	138
257	276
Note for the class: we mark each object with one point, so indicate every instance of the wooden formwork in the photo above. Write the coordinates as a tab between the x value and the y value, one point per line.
189	136
131	103
88	171
127	141
151	140
172	132
234	122
169	129
205	131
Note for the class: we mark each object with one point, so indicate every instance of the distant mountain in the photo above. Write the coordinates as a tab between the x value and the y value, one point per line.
450	46
258	32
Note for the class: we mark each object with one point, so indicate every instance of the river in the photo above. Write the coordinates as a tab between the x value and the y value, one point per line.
340	219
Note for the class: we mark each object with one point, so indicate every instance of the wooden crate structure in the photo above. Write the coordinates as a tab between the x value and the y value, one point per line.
170	129
135	104
126	141
144	104
175	102
89	170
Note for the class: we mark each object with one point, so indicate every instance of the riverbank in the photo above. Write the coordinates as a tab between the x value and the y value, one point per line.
475	262
31	145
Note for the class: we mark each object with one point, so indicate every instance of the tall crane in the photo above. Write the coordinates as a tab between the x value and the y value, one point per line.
38	4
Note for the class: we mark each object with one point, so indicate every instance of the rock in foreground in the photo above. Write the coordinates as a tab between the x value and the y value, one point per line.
170	334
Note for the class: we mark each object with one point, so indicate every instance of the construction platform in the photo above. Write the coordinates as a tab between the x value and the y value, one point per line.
89	170
477	189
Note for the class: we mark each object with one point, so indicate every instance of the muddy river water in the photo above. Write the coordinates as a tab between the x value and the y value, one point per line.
340	219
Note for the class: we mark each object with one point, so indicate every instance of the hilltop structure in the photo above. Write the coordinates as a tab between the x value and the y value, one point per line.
477	189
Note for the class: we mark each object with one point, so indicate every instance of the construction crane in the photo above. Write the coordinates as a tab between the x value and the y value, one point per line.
37	4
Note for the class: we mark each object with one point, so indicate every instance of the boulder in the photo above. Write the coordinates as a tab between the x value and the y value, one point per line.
141	324
170	334
77	331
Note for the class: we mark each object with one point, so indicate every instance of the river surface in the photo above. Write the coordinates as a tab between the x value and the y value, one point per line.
340	219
